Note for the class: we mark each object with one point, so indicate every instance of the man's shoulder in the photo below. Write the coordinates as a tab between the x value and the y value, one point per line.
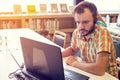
99	22
99	27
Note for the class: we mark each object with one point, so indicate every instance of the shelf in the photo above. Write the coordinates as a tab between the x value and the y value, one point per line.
45	15
40	22
69	30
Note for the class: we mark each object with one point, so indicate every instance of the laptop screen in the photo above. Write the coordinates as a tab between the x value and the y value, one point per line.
42	58
38	65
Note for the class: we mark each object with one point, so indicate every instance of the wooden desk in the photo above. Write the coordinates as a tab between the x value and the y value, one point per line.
8	65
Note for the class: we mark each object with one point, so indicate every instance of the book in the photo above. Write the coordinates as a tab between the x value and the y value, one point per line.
43	8
54	8
31	9
63	8
71	8
17	9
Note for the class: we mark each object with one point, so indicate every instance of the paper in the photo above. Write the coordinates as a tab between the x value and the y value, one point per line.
31	9
63	8
54	8
17	9
43	8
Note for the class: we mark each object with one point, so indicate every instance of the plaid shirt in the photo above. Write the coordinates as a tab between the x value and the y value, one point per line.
100	40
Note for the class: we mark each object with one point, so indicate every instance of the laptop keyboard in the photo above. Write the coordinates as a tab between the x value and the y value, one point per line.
71	75
67	75
67	78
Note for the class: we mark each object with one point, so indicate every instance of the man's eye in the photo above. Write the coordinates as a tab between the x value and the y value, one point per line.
85	22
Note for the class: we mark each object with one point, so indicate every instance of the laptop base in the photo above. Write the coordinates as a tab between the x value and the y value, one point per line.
34	76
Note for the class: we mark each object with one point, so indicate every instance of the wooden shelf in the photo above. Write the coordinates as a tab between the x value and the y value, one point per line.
52	21
45	15
113	16
69	30
64	19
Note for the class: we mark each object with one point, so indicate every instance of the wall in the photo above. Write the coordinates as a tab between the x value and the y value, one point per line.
107	5
7	5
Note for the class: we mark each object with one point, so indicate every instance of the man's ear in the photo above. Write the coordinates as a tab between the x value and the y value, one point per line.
95	19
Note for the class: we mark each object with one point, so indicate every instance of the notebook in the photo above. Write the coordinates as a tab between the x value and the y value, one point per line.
44	62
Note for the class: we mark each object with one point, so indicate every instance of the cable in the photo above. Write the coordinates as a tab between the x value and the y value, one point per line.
22	66
17	73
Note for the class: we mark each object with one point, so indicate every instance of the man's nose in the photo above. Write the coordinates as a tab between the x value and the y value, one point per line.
80	26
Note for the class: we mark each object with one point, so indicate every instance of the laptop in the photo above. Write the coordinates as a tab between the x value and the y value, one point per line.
44	62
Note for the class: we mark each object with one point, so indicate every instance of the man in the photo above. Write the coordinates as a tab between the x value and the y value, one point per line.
93	41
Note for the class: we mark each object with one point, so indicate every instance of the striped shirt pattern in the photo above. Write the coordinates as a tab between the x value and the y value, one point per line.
100	41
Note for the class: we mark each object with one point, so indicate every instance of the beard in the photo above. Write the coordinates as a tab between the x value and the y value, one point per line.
87	32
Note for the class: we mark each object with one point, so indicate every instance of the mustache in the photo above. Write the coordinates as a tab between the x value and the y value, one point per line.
83	30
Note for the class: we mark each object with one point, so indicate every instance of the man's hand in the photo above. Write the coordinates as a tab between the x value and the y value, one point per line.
70	60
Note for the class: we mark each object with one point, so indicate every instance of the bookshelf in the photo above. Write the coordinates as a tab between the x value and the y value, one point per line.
44	24
37	22
43	21
113	16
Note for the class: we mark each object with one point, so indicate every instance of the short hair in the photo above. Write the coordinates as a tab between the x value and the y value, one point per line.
79	8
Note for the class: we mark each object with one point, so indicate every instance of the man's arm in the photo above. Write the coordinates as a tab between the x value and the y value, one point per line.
69	51
98	68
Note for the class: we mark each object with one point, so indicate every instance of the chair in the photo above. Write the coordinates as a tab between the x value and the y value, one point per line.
117	47
60	38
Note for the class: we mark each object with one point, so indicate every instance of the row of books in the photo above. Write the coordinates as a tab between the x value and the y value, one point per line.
9	24
42	24
35	24
43	8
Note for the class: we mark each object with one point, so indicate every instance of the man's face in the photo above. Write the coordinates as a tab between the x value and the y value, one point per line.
84	22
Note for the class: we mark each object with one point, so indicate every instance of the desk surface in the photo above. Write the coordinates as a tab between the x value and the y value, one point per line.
11	37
